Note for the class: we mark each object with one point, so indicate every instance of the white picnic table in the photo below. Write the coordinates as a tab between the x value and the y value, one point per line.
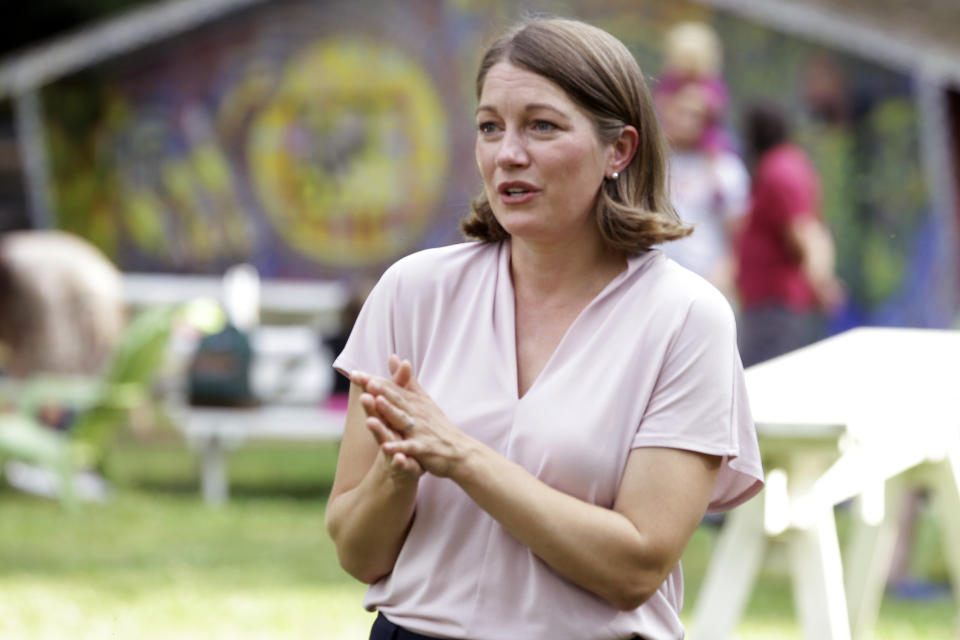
291	376
214	431
864	414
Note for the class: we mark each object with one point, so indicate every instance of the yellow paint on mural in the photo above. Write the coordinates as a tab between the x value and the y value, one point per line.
349	158
143	221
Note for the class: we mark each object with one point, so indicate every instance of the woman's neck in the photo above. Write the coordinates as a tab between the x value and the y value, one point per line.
578	267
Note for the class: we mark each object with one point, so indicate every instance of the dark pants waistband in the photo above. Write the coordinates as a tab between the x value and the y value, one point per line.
383	629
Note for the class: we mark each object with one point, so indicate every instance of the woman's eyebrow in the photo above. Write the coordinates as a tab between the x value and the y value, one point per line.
537	106
533	106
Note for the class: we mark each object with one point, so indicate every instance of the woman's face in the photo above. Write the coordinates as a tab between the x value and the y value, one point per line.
541	160
684	116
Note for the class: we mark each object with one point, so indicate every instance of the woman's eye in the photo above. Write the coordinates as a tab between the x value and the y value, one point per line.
544	125
486	127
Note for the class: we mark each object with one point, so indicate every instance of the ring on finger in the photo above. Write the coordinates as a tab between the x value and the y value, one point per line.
410	424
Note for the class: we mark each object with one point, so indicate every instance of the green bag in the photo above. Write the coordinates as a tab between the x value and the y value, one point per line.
219	373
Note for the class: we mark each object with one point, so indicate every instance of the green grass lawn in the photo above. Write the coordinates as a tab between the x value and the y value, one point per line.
155	562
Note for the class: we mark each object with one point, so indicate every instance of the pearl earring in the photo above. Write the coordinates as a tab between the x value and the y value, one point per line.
614	175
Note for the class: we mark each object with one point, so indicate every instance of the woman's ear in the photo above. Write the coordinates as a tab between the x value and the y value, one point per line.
623	149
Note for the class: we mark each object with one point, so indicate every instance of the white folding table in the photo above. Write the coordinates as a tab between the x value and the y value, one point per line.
863	415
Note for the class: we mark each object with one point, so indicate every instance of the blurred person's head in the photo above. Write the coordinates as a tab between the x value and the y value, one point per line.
685	115
692	50
765	127
61	303
690	94
597	74
824	89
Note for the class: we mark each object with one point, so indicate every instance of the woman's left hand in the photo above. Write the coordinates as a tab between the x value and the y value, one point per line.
426	434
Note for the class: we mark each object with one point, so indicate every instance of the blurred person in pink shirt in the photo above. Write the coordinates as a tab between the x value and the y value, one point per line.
785	255
539	418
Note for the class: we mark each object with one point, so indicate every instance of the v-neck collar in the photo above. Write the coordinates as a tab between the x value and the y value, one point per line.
507	315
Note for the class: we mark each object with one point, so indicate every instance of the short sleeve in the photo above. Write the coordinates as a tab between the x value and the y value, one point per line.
699	402
374	334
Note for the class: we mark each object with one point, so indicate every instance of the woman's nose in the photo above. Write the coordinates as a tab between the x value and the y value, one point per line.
512	151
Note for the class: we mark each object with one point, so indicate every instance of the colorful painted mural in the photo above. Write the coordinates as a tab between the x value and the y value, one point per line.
350	156
305	152
323	139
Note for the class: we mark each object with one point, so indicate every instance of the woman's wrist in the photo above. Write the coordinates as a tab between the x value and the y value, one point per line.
395	481
471	460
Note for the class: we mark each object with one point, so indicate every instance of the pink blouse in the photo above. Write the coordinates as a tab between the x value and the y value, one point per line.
650	362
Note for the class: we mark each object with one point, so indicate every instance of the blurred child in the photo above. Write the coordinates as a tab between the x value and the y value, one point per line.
693	54
709	185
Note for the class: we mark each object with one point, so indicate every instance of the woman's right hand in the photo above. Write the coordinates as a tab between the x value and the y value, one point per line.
401	468
373	498
421	431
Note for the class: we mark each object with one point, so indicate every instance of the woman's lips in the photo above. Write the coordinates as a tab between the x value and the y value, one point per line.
517	192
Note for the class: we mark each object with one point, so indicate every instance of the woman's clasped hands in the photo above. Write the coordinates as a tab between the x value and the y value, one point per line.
413	433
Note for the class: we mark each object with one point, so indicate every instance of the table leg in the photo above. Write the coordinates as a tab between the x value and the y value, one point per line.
946	503
730	577
818	578
213	471
869	556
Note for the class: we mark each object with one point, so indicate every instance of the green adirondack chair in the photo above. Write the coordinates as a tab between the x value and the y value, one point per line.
101	405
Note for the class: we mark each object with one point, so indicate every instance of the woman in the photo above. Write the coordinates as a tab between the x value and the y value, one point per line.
563	403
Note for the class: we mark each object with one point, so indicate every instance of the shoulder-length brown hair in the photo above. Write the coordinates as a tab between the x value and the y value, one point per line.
599	73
